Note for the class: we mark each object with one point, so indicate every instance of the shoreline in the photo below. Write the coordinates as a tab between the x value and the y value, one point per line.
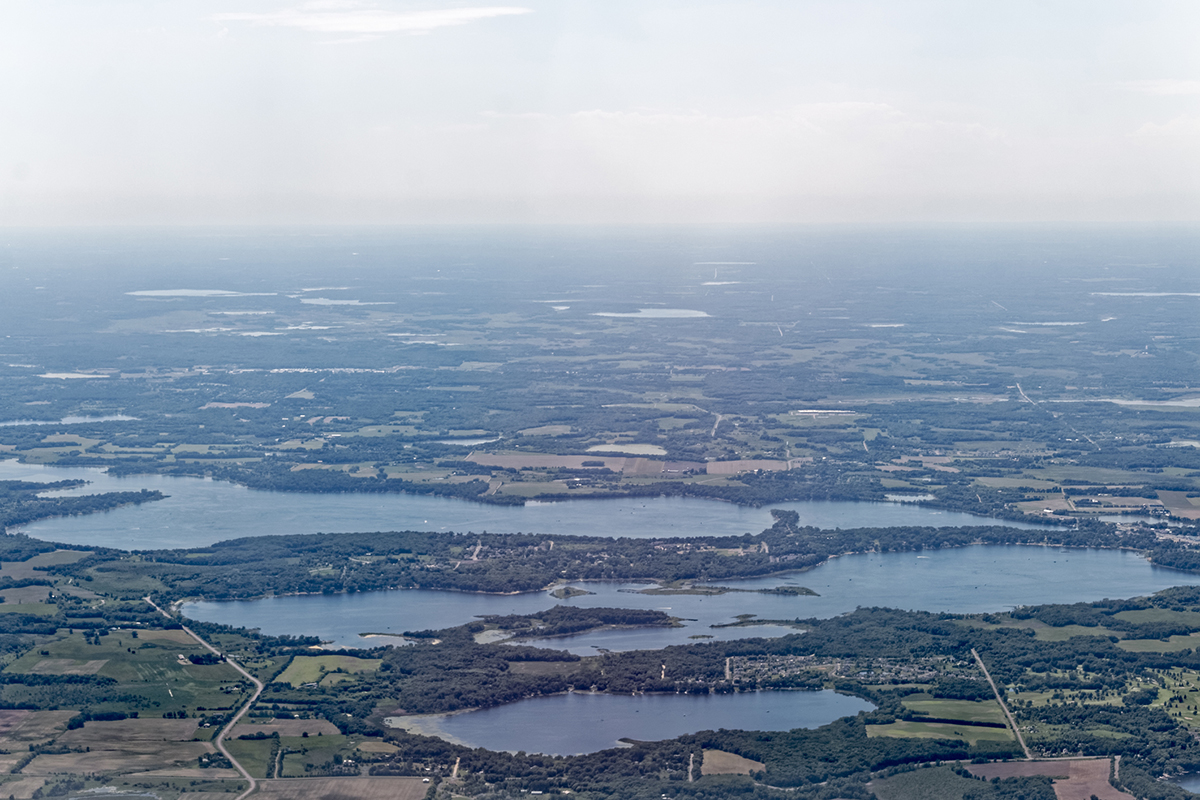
774	574
552	497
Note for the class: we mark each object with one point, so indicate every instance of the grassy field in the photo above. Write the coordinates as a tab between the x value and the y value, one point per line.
964	710
253	754
542	667
1044	632
301	755
311	669
718	762
37	609
285	727
18	570
936	783
903	729
1146	615
1172	644
1062	633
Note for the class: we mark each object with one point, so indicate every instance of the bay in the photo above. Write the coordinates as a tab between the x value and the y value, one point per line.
552	725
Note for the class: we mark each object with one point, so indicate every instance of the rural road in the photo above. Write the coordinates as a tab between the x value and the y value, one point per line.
219	740
999	699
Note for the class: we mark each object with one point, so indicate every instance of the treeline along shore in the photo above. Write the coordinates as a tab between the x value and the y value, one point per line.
504	563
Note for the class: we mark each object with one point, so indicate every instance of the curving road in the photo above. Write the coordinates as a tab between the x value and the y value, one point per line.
219	740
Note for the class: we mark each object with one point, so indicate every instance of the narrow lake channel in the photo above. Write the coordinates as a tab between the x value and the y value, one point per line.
965	580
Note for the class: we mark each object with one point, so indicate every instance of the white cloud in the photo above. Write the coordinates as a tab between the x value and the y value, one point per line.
1163	87
1180	126
353	18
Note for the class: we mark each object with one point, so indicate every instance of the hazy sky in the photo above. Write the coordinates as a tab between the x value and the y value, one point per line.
256	111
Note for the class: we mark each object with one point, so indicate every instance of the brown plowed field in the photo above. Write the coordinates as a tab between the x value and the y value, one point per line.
343	789
1080	778
128	745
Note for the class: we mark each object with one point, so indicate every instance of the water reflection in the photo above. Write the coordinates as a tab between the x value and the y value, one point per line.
551	725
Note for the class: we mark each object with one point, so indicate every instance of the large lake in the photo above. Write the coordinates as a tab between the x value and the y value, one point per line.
552	724
964	580
198	512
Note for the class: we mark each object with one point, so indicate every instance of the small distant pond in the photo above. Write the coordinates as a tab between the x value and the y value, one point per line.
962	580
631	449
653	313
66	420
199	511
581	722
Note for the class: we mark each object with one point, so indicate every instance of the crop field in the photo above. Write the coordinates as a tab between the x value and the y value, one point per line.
1180	504
344	789
22	788
124	746
719	762
311	669
153	670
905	729
1075	779
175	636
20	727
27	595
66	666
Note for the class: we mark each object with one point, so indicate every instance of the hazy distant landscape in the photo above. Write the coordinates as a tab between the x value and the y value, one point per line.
1001	372
513	470
600	399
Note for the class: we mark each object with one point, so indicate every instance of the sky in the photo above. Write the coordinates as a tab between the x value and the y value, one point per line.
156	112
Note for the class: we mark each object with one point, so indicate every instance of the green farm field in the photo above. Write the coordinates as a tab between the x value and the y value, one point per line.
311	669
972	734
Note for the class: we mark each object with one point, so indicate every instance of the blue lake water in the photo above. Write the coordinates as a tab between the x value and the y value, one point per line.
551	724
198	512
964	580
1190	781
